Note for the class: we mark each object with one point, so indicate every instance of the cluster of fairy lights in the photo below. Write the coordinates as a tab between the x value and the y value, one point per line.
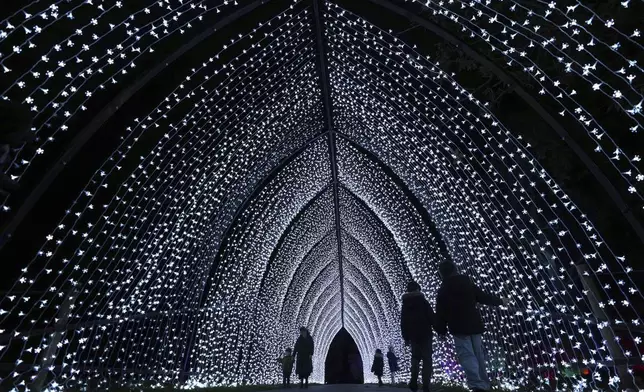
156	296
139	245
241	271
375	270
571	36
94	47
502	217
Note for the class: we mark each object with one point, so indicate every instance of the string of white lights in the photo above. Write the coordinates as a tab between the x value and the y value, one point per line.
478	20
246	253
314	226
135	45
137	30
382	55
124	190
296	80
198	249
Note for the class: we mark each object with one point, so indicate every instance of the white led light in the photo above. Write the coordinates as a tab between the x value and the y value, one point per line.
194	261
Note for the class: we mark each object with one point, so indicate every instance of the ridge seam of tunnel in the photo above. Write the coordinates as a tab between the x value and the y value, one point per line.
318	19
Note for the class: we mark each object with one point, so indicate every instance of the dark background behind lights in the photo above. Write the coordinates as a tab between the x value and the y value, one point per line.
551	151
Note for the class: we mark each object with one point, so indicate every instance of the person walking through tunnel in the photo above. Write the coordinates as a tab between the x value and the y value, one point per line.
416	322
378	366
304	357
287	367
456	310
392	359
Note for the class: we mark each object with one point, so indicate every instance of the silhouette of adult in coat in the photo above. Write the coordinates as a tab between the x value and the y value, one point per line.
304	357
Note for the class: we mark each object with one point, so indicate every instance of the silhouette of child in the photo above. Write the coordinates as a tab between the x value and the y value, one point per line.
378	366
286	360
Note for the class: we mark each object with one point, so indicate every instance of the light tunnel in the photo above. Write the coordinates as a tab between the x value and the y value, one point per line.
260	165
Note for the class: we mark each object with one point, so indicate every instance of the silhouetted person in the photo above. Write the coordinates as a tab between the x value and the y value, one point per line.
456	309
304	357
392	359
286	360
416	322
378	366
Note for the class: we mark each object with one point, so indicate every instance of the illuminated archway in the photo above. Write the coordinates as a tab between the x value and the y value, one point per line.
343	364
222	219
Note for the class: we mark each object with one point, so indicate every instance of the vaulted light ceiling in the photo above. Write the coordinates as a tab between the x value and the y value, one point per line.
300	173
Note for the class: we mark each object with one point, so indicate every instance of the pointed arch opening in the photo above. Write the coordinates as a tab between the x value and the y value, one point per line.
343	364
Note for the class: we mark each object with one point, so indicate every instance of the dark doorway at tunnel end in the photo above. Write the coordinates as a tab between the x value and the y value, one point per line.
343	364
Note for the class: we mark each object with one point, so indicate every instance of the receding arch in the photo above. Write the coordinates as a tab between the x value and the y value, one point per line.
318	244
244	205
289	228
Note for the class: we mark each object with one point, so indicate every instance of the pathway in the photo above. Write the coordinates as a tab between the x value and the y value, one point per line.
361	388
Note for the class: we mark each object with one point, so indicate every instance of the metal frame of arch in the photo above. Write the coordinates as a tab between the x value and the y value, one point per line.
323	68
508	79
